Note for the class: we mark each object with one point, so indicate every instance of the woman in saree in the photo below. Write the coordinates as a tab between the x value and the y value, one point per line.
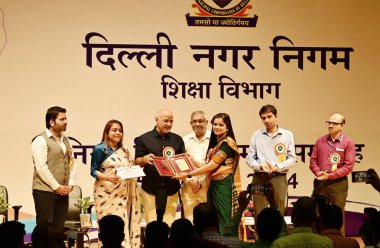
222	169
111	194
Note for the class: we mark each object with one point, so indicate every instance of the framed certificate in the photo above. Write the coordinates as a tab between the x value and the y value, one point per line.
172	166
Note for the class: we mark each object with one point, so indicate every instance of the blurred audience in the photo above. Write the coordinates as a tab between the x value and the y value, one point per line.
303	217
156	235
331	221
182	234
12	234
370	229
271	228
269	225
206	221
111	231
47	235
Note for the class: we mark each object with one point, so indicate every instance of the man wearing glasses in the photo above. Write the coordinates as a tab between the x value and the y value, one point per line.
194	189
332	159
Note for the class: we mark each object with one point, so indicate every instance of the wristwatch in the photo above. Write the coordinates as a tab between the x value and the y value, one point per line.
188	175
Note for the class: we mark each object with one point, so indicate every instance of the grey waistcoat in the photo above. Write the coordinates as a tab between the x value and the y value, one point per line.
57	162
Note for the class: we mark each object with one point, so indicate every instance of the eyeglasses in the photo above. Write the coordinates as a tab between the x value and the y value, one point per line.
200	121
328	123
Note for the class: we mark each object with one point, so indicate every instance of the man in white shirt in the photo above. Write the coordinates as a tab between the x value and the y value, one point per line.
194	189
54	170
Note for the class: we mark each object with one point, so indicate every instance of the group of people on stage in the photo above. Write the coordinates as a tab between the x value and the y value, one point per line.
216	178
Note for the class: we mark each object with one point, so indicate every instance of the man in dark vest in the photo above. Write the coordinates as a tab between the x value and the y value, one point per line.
54	170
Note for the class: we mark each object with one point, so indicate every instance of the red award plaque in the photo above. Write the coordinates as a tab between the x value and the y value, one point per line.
174	165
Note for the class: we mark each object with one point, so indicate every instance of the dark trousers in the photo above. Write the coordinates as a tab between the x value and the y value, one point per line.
50	208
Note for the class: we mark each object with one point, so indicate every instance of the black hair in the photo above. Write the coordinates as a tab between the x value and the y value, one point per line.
111	230
52	113
230	132
268	109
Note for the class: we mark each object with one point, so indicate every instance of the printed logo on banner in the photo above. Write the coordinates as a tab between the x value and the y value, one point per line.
222	13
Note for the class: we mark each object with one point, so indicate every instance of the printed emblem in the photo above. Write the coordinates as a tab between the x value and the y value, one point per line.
222	13
222	3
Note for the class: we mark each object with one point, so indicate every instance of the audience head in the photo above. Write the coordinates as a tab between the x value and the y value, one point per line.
331	217
304	212
376	228
12	234
269	224
156	235
182	233
47	235
205	216
370	229
111	230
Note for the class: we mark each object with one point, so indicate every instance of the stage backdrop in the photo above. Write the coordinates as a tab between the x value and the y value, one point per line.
125	60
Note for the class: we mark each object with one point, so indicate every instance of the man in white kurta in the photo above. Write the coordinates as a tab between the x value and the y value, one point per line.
194	190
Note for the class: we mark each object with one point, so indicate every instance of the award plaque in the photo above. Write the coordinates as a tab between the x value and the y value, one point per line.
171	166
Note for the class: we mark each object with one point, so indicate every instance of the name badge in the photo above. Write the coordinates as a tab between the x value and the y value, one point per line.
340	149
